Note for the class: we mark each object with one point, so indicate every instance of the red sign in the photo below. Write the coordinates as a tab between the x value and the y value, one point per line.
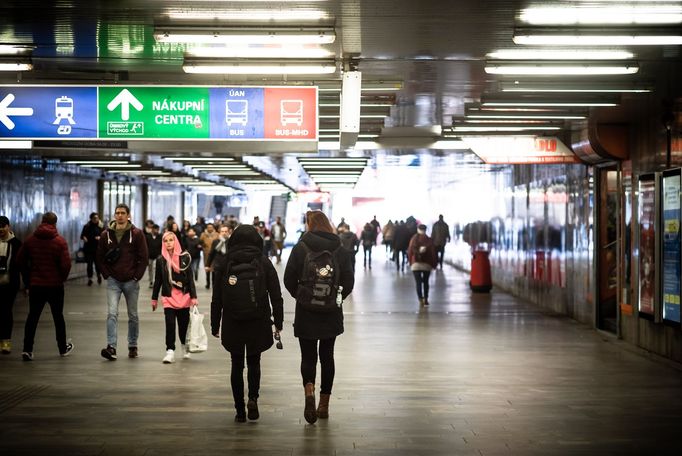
520	150
290	113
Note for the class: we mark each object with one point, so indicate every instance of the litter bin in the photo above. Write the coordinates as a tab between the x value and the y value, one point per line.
481	281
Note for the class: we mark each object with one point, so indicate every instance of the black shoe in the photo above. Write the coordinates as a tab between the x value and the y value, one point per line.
240	417
252	407
89	282
132	352
99	280
109	353
208	286
67	352
27	356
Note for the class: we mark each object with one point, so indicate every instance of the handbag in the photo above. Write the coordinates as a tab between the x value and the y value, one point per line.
198	340
80	256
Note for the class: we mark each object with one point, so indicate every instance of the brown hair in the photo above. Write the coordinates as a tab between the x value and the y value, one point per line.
49	218
317	221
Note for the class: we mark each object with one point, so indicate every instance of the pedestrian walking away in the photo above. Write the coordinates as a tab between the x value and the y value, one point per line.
90	236
319	276
350	242
153	239
279	234
246	299
422	257
45	261
123	257
440	235
10	282
368	237
193	247
174	279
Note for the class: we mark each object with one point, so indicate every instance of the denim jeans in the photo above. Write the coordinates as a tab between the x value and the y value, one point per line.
422	280
130	290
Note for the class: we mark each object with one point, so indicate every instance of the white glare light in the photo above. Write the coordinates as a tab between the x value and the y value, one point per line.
248	15
593	15
245	36
559	54
12	66
260	52
597	40
244	68
560	70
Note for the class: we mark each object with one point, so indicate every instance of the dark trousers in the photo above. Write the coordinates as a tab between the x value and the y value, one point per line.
309	352
8	294
400	262
440	253
422	279
237	376
38	296
195	267
90	260
367	251
182	315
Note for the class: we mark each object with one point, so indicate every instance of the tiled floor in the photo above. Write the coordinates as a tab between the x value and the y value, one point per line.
470	375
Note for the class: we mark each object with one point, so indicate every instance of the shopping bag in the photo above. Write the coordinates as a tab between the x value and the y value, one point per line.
80	256
198	341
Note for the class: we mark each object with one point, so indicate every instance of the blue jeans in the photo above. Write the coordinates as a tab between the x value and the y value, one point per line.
130	290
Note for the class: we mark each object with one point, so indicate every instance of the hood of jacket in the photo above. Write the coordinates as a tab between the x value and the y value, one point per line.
46	231
321	240
10	236
112	225
245	244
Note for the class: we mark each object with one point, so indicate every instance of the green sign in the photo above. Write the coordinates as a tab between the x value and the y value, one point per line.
154	112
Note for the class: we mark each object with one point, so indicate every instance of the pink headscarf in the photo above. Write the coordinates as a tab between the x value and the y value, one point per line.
173	261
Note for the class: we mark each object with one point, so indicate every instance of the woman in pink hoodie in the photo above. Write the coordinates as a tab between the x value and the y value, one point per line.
175	281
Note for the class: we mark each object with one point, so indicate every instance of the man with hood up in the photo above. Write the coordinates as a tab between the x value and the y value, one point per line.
45	261
245	333
122	257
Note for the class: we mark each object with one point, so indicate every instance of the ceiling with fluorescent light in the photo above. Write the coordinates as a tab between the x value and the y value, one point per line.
440	55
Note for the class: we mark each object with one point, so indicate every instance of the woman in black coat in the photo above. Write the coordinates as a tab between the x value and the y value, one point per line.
253	335
312	326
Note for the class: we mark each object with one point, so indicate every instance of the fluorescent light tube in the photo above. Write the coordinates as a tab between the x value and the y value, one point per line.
495	115
564	87
463	129
560	54
561	102
11	144
600	37
182	159
260	52
248	15
602	15
243	35
15	66
244	67
560	68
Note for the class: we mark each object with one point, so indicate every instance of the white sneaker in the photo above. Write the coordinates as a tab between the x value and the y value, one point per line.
185	351
169	358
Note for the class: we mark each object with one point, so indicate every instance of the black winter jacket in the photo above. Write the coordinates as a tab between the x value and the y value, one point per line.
162	280
153	245
311	324
13	269
243	246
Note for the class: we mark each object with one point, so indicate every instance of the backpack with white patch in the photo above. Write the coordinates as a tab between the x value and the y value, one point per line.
245	291
318	289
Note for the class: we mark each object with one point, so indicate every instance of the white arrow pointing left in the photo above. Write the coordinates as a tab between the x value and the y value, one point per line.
6	111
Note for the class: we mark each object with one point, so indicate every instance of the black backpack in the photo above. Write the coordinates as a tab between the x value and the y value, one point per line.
245	291
318	289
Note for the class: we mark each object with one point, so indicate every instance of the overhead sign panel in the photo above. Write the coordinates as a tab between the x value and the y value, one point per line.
159	112
519	150
62	112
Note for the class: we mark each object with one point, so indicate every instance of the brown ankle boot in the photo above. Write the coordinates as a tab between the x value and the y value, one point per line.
309	412
323	407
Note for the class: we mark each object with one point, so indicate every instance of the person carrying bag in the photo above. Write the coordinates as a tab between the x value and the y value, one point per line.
246	298
175	281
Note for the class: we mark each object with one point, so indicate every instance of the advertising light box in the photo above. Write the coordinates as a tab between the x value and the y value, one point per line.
671	255
647	246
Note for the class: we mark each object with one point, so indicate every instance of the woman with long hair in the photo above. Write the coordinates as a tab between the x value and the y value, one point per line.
319	274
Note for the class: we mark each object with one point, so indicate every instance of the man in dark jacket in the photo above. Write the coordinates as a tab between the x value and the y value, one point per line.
401	239
9	282
45	260
90	237
193	247
153	239
440	235
122	256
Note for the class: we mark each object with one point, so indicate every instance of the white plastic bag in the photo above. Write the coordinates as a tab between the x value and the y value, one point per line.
198	341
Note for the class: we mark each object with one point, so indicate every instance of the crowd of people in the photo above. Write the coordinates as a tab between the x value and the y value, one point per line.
246	299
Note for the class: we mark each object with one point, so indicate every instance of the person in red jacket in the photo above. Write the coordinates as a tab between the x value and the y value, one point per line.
422	257
44	259
122	257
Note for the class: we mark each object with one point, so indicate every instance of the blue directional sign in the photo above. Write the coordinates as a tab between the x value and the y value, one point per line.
237	112
48	112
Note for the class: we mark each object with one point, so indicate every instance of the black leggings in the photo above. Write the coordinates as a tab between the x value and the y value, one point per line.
309	362
182	315
237	376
